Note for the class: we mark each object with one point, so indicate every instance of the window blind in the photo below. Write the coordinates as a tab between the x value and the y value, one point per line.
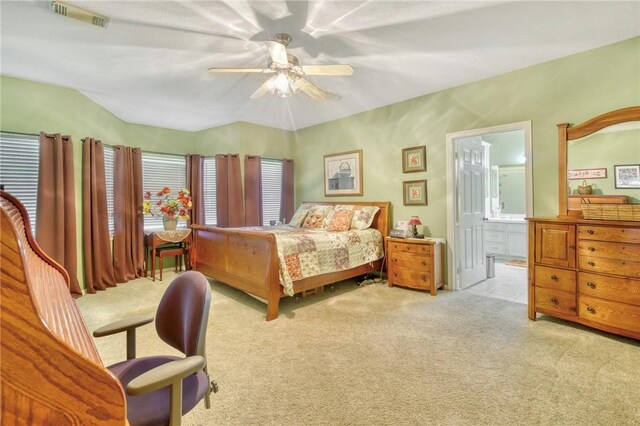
158	171
271	189
19	160
108	174
209	188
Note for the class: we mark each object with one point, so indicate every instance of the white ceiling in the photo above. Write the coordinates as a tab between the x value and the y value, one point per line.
149	66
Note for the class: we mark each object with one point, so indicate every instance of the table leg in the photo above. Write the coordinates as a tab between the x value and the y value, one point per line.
153	264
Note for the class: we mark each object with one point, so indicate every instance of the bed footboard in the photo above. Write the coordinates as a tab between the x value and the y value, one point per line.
246	260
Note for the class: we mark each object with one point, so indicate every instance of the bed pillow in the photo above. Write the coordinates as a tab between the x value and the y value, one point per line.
363	216
298	218
340	220
315	217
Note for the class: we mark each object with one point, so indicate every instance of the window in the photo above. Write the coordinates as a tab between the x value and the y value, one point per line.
209	188
108	174
271	189
19	159
158	171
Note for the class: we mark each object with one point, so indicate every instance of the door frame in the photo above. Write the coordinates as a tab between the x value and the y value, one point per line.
452	188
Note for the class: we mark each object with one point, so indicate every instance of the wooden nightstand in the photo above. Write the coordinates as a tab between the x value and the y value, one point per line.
415	263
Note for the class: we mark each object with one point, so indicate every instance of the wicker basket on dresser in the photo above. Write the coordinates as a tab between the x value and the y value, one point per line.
586	271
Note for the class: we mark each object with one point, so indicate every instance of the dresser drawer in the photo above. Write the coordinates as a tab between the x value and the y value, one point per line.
625	268
623	290
609	233
614	314
411	261
557	301
495	237
409	248
556	279
609	250
410	278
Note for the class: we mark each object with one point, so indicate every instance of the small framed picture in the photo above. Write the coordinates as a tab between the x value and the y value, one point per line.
414	159
343	174
627	176
414	192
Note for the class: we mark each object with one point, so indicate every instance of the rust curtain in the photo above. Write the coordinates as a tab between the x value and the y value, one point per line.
56	206
287	207
229	199
195	181
253	190
128	232
98	265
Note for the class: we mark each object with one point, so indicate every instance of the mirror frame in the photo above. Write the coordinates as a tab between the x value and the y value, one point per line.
566	134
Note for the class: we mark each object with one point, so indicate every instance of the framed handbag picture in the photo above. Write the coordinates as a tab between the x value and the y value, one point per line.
414	159
343	174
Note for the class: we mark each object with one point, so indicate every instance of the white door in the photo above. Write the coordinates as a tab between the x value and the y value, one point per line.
471	198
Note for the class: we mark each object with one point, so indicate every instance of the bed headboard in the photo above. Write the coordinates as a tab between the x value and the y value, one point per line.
380	222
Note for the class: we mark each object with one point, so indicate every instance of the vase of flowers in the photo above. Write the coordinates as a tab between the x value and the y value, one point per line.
169	206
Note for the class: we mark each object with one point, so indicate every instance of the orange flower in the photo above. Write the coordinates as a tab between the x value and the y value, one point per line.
166	190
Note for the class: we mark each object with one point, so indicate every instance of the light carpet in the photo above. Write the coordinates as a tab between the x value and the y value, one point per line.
374	355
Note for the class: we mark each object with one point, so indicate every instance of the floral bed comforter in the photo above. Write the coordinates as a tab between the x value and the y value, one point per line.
304	253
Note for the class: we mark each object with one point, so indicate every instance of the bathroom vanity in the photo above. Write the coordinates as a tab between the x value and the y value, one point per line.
506	238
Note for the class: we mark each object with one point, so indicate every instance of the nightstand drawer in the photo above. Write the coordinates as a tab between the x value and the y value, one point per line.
555	279
395	247
558	301
410	278
410	260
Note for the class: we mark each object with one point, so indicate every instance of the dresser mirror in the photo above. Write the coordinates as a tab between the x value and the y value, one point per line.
589	152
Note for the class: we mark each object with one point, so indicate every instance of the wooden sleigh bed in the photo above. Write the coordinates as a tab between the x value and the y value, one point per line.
248	259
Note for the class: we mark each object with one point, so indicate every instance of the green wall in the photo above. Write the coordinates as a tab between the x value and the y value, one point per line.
30	107
572	89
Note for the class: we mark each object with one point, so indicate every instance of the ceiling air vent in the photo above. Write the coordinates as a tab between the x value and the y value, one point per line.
71	11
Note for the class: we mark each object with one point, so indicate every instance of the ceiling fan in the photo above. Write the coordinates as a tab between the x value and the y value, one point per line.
288	76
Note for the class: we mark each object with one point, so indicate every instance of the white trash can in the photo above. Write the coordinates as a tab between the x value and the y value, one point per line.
491	265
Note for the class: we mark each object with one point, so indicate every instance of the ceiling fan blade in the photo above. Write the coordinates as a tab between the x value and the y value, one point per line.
262	89
252	70
278	53
314	91
338	69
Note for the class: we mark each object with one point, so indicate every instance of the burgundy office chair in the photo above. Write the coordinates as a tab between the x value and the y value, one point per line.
160	389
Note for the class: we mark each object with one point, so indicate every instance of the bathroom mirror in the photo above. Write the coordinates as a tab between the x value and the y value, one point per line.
511	195
590	151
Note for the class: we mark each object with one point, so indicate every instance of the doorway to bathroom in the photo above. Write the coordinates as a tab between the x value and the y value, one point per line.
489	193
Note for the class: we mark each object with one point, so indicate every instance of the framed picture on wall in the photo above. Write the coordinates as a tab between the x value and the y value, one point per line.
414	159
343	174
627	176
414	192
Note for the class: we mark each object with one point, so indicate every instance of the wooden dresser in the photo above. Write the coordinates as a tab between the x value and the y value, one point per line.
586	271
415	263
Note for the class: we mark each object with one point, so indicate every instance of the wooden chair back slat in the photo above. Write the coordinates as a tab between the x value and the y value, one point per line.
51	372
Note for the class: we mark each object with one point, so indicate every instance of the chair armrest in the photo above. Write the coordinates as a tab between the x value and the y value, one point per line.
165	375
122	325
